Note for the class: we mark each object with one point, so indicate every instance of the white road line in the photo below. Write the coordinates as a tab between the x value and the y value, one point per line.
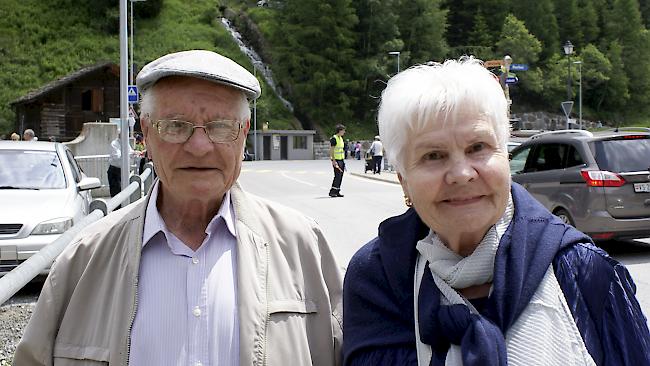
298	180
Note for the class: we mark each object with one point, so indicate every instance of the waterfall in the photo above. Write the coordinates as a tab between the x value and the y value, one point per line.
258	64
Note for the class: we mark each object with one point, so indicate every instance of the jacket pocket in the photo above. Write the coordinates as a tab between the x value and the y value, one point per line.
73	355
291	325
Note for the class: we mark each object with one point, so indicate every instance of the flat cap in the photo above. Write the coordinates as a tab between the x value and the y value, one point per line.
200	64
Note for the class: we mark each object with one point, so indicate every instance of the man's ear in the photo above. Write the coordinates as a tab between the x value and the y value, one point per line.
247	126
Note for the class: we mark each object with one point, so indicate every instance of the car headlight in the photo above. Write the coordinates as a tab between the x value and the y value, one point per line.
55	226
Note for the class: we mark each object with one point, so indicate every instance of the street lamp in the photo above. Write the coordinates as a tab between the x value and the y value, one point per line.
131	53
568	50
395	53
579	63
255	64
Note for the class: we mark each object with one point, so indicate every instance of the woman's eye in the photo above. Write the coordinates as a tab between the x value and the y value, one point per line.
434	155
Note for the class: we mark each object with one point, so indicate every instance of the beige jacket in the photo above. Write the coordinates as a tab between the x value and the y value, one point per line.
289	296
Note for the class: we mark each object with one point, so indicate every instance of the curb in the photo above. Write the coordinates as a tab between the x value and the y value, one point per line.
375	177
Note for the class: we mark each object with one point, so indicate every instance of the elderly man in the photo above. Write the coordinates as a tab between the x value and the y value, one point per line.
29	135
200	272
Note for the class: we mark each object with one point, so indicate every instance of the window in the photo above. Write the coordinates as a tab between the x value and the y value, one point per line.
300	142
518	161
92	100
574	158
548	157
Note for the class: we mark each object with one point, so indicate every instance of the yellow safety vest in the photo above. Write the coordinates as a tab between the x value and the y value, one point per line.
338	149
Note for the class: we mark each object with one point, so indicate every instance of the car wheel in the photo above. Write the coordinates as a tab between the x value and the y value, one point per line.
564	216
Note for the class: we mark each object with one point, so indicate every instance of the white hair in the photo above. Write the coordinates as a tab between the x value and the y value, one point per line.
148	103
425	96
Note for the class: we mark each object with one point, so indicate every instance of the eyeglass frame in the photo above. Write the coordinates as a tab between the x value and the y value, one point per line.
156	125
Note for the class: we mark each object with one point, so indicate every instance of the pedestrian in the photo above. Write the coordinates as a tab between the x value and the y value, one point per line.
114	172
346	148
337	158
357	150
377	153
476	271
15	137
29	135
199	272
141	151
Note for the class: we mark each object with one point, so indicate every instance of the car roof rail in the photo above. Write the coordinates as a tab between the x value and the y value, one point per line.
563	132
633	129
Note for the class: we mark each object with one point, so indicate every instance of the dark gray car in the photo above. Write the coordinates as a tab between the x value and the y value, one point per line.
599	183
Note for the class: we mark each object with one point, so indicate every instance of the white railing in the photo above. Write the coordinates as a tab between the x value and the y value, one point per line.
20	276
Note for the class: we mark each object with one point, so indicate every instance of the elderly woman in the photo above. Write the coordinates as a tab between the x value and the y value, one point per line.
476	272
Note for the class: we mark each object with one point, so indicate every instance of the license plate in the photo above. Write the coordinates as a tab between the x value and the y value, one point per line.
641	187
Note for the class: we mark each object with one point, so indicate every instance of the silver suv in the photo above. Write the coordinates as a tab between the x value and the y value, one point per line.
599	183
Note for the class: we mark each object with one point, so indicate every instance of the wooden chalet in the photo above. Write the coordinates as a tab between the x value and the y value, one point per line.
60	108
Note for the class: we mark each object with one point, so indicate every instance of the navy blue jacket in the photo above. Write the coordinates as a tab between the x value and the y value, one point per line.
378	325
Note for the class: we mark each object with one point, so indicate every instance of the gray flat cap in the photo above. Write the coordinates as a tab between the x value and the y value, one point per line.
200	64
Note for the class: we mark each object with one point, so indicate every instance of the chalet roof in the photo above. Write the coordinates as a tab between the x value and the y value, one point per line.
34	94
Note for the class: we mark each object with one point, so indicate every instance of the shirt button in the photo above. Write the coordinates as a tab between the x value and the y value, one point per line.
198	363
196	311
195	260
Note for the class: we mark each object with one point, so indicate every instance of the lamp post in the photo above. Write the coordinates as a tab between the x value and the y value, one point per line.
395	53
579	63
255	115
131	53
568	50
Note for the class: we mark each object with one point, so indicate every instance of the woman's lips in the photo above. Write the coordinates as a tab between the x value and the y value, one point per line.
460	201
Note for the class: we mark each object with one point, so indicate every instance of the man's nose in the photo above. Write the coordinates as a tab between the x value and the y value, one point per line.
199	142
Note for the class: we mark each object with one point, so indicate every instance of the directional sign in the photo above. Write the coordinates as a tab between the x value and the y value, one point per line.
511	80
519	67
132	93
566	107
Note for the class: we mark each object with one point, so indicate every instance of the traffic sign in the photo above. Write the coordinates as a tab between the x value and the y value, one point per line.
132	93
512	80
566	107
519	67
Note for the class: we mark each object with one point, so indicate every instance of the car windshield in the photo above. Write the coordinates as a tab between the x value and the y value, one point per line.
623	155
22	169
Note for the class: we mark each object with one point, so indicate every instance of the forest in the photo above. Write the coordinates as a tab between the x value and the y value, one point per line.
332	58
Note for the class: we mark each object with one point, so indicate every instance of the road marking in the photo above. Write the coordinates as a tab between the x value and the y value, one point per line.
297	180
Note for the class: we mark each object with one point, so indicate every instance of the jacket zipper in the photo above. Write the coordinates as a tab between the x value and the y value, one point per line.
135	305
268	315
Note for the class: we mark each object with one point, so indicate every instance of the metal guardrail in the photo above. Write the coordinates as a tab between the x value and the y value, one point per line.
20	276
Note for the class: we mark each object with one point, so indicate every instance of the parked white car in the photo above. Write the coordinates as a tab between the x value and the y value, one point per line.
43	192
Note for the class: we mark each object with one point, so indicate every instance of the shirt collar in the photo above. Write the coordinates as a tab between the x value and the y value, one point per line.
153	222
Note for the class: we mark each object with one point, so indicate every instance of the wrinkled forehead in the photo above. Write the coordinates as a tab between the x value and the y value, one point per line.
465	109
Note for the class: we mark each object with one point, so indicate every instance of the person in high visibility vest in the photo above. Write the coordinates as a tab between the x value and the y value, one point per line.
337	157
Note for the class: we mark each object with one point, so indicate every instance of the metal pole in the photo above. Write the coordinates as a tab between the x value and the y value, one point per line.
255	119
131	52
580	96
124	105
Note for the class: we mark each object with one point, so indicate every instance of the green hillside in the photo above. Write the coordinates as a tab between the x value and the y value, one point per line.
41	41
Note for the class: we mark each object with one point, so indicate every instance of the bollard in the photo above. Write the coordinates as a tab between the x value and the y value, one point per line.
98	205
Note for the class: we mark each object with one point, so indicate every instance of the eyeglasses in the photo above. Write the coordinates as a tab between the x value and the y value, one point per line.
177	131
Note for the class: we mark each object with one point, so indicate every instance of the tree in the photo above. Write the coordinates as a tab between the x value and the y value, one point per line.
523	47
596	71
539	18
422	25
312	54
568	21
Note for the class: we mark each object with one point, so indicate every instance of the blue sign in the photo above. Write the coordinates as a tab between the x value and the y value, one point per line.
511	80
519	67
132	93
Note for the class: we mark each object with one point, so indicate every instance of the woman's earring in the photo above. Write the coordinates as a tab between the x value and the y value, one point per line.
407	201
